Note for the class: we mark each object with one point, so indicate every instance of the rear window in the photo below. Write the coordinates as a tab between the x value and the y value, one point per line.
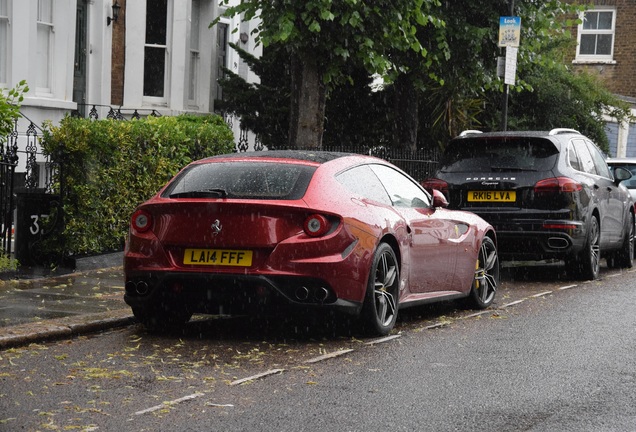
500	154
250	180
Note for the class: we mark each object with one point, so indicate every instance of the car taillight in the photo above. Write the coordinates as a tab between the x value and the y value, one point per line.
557	185
316	225
141	221
560	226
435	183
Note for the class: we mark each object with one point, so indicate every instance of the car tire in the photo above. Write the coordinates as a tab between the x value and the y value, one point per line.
624	258
587	265
157	319
486	281
380	308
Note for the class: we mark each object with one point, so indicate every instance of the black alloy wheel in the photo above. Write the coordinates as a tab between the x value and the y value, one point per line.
486	280
587	265
381	301
624	258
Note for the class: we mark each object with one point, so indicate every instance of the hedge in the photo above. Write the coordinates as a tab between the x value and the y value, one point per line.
108	167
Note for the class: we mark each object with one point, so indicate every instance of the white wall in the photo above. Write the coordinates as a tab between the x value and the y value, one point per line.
53	106
24	64
99	54
175	100
623	138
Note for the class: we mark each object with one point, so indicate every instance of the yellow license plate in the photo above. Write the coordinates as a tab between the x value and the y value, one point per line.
492	196
218	257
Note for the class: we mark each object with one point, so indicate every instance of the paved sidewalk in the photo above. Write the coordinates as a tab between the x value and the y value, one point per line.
37	306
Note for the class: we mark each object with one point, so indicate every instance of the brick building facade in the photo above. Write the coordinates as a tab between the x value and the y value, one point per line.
606	47
617	69
118	57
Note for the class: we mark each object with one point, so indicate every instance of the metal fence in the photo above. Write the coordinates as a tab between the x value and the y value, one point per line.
35	175
419	164
24	146
113	113
7	170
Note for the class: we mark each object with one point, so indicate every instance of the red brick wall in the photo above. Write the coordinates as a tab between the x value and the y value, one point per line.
620	77
118	58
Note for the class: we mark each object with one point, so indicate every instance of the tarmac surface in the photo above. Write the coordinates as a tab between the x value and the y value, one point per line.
37	304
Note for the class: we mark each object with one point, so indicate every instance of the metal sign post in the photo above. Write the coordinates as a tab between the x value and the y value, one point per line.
509	38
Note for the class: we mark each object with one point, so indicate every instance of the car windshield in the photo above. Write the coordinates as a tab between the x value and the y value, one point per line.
252	180
499	154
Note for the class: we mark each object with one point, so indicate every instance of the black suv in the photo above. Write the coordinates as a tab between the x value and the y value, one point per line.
549	195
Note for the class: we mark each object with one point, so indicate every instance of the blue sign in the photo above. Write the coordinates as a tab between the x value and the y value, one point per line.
509	31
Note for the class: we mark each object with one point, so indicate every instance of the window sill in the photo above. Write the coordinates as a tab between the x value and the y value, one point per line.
593	61
48	102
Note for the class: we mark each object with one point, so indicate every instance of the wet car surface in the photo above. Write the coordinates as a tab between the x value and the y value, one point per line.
549	195
308	232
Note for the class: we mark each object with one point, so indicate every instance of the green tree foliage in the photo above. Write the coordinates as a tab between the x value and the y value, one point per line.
470	86
357	116
108	167
322	36
335	32
560	98
448	84
354	114
9	113
10	108
262	107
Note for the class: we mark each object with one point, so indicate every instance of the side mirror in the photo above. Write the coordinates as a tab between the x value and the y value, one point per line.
439	200
621	174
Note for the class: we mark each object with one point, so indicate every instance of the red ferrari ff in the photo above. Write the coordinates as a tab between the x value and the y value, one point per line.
251	232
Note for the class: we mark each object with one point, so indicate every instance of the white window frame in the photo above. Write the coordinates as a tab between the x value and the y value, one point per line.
155	100
4	43
46	28
596	58
195	54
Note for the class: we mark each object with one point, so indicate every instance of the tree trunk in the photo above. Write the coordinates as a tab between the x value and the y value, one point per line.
407	114
308	96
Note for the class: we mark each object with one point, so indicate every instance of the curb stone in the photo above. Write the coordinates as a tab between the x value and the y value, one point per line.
23	334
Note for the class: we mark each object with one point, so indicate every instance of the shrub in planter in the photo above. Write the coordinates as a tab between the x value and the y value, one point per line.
105	168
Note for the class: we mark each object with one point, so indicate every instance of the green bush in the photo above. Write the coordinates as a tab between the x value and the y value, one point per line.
108	167
7	263
10	108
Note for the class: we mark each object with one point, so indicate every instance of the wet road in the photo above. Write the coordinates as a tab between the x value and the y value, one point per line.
552	355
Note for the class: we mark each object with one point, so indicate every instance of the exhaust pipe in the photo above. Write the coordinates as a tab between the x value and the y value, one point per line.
131	287
321	294
142	288
302	293
558	243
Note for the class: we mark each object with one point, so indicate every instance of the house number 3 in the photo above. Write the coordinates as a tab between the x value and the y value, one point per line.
35	225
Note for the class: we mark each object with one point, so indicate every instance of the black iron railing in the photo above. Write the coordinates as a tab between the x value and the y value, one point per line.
113	113
21	145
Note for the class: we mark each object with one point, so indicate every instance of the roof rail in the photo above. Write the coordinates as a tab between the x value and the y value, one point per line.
557	131
469	132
